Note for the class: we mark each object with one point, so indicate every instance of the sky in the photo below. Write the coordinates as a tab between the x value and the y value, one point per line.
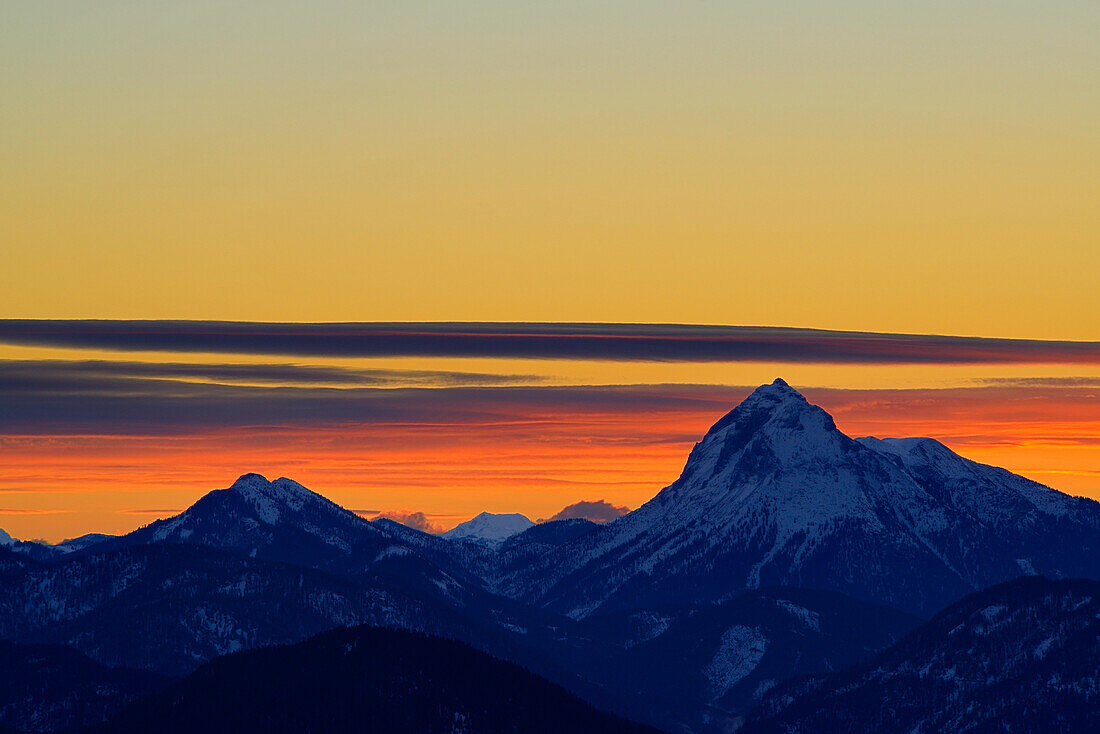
872	168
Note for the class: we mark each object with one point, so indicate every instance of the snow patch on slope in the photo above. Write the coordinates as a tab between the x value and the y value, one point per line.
739	652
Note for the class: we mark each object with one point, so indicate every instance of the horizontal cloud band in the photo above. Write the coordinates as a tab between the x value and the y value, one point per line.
618	342
115	398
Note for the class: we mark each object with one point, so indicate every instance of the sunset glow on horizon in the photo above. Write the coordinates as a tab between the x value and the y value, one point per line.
108	440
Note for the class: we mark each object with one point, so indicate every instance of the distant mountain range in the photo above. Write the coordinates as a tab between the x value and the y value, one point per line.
784	549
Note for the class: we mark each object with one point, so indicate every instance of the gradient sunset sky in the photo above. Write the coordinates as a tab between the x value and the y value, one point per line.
881	170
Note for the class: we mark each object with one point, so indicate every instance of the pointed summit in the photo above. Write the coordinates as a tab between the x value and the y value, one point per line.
777	392
774	414
773	431
770	397
781	386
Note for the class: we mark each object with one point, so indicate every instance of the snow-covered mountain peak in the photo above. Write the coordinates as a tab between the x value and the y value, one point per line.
772	396
6	539
489	527
250	484
271	501
777	405
774	426
780	389
268	499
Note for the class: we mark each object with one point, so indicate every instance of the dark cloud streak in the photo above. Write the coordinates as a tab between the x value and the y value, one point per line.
617	342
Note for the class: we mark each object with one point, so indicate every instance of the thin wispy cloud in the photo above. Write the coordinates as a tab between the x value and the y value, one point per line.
26	511
158	513
75	402
417	520
44	372
1039	381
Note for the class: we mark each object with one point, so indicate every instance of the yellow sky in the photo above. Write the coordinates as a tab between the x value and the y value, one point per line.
849	165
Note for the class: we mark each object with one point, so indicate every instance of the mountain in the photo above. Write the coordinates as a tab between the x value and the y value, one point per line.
551	534
283	521
703	667
489	528
49	687
775	494
1018	657
84	541
279	520
168	608
364	679
34	549
29	548
10	560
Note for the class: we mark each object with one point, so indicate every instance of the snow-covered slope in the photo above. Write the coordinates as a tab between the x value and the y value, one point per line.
985	492
776	494
490	528
1010	525
1018	657
5	539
